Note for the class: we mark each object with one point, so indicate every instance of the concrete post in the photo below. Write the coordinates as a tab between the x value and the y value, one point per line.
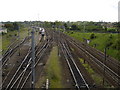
33	61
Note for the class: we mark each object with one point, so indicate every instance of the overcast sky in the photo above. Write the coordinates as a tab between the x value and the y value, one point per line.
62	10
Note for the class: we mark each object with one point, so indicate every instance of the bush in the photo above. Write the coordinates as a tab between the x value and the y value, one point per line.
108	43
111	30
3	33
111	36
116	45
92	36
15	34
10	35
72	32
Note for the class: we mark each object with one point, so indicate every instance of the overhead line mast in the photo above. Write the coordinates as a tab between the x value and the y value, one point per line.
33	60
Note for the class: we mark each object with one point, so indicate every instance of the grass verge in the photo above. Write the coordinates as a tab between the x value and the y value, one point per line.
96	77
54	69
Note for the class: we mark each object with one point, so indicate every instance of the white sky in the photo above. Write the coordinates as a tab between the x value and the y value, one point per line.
62	10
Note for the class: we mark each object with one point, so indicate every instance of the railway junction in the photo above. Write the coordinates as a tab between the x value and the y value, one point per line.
24	63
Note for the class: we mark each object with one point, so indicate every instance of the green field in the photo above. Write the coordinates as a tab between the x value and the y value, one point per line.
101	40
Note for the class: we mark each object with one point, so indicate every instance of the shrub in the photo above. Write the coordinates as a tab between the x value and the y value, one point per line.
108	43
72	32
3	33
111	36
15	34
10	35
92	36
116	45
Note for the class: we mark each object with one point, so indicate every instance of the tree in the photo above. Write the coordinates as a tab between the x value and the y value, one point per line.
65	25
92	36
15	26
74	27
9	26
105	27
12	26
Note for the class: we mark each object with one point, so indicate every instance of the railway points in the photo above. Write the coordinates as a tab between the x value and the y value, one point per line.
20	73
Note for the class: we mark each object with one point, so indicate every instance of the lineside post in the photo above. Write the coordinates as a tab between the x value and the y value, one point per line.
104	66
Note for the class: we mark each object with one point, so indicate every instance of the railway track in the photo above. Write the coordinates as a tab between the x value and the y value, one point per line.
13	72
12	45
110	62
80	82
9	63
38	60
23	72
20	74
11	51
110	73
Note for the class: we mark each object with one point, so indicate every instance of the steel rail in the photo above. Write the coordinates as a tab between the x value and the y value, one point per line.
80	82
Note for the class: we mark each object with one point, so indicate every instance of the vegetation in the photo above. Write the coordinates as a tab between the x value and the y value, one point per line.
100	41
84	26
54	70
92	36
11	26
100	34
11	36
96	77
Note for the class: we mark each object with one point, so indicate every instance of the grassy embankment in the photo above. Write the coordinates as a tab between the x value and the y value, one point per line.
101	40
53	69
11	36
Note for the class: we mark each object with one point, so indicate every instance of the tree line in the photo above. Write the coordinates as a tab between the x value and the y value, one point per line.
82	26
